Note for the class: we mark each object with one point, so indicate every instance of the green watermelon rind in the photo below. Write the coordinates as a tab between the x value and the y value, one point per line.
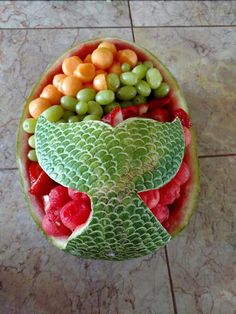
21	158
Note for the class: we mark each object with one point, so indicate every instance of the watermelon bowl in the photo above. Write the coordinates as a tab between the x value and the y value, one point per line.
106	152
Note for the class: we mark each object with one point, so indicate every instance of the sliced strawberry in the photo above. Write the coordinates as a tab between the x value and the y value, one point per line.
187	136
150	198
74	214
34	171
161	212
53	225
183	116
158	102
142	109
114	117
79	196
43	185
169	192
58	196
183	174
160	114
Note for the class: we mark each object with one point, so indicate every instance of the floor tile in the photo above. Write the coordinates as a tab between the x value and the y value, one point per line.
18	14
203	60
202	259
26	53
38	278
183	13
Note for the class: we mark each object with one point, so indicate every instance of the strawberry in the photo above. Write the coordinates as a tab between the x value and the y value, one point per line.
114	117
42	185
161	212
79	196
150	198
183	116
160	114
74	214
130	112
58	196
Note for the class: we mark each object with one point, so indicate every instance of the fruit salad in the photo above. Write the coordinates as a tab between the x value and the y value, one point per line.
107	153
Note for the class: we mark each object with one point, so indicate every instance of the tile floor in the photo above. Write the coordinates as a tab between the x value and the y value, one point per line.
196	273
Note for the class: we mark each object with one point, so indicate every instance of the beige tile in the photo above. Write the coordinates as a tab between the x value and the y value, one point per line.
202	258
38	278
183	13
203	60
26	53
18	14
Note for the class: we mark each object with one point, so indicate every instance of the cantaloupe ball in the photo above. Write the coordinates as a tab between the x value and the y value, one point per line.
85	72
110	46
71	85
102	58
127	56
88	58
38	105
57	78
99	82
115	68
52	93
70	64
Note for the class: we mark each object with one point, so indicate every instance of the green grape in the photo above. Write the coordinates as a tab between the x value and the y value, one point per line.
126	103
140	70
92	117
81	107
113	81
162	90
109	108
153	78
68	102
32	155
94	108
73	119
125	67
29	125
138	99
67	114
143	88
105	97
148	64
53	113
126	93
31	141
129	78
86	94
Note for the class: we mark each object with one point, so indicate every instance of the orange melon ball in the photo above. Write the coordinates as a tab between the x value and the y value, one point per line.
57	78
52	93
85	72
115	68
38	105
88	58
127	56
70	64
100	72
100	82
71	85
110	46
102	58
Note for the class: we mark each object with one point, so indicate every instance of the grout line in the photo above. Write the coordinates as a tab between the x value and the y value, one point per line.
116	27
131	22
171	282
216	156
8	169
